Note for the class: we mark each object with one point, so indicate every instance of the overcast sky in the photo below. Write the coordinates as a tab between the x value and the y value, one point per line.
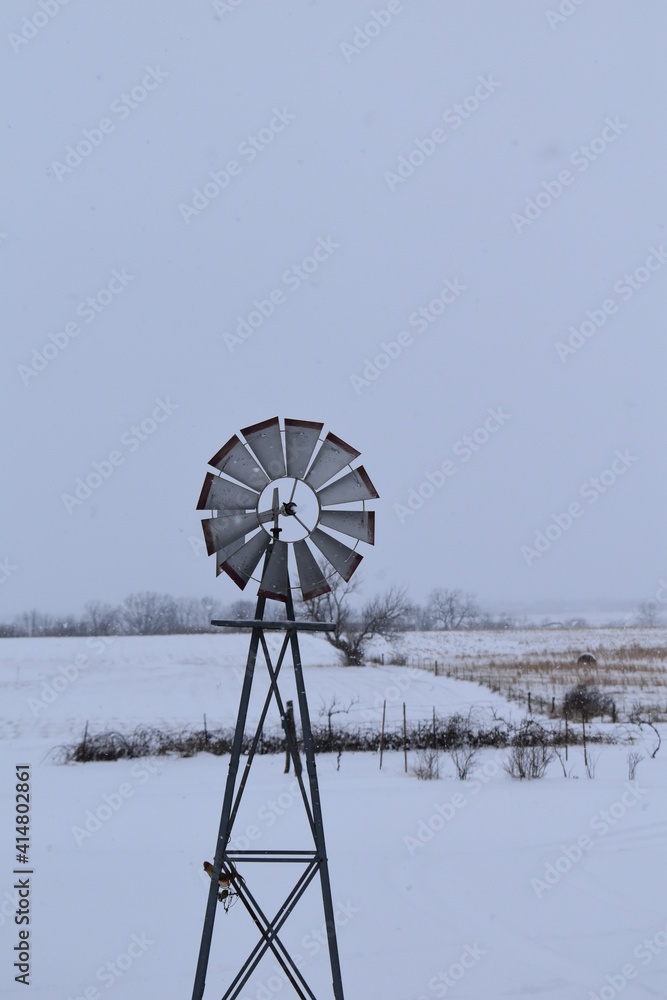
484	184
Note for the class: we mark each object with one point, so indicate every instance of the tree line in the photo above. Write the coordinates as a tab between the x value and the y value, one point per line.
151	613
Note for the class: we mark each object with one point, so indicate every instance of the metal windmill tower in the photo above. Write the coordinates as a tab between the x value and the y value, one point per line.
274	493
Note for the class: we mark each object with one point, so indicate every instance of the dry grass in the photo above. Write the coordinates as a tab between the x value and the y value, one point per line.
631	674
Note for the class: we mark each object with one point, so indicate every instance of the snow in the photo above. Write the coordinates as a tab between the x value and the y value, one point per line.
431	880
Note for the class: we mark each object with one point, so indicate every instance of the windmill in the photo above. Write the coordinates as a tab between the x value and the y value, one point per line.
273	495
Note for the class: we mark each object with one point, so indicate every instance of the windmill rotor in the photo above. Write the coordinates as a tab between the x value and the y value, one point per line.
287	492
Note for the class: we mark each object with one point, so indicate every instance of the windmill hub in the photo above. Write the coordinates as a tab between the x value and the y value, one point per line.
297	509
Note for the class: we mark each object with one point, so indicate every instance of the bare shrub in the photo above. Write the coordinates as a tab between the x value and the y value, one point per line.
528	761
427	765
643	716
634	758
464	760
585	701
560	753
591	762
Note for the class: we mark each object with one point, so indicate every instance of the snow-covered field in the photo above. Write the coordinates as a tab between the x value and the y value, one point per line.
483	889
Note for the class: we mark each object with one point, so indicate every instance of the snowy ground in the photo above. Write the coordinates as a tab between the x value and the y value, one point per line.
481	889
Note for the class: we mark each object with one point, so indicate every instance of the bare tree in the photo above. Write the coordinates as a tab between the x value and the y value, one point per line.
242	610
149	613
34	623
451	609
100	618
381	616
648	614
335	707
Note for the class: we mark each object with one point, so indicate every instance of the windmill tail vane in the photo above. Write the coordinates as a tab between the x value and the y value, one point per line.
275	491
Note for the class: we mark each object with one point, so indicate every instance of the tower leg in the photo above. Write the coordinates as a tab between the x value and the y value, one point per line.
309	751
223	832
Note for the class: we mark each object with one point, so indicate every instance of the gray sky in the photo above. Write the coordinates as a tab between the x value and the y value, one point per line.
405	146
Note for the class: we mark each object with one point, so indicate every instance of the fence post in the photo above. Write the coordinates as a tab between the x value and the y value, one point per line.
290	731
583	730
405	740
384	712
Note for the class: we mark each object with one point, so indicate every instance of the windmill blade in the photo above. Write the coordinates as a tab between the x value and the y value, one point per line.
301	437
266	442
343	559
311	577
241	564
219	494
223	554
354	486
235	461
333	456
221	532
275	578
357	523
